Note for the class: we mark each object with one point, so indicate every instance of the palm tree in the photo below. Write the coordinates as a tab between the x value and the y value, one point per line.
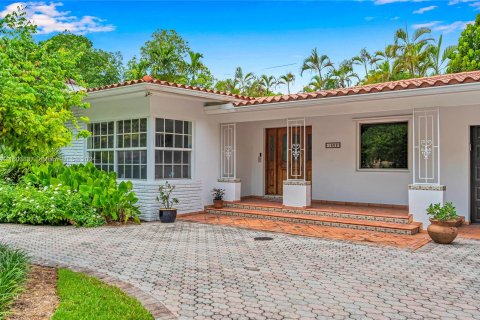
437	57
268	82
316	63
195	65
412	50
243	79
366	60
344	74
287	79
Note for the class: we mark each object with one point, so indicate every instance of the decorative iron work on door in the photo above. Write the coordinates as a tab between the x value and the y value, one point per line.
296	160
228	142
426	149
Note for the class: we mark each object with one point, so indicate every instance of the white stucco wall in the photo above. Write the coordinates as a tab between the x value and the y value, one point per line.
334	171
193	193
335	174
455	126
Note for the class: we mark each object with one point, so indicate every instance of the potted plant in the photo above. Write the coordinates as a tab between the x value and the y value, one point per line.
167	213
218	195
443	223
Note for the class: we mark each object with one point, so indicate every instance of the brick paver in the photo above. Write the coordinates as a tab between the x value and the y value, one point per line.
202	271
412	242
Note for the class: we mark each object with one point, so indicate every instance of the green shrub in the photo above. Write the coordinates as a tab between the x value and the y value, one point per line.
26	204
98	189
442	213
13	273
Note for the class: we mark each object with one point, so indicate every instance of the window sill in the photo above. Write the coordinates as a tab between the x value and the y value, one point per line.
385	170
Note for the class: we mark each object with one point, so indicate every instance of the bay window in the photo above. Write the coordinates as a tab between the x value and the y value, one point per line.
121	146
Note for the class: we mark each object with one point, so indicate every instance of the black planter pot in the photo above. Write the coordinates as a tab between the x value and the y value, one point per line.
167	215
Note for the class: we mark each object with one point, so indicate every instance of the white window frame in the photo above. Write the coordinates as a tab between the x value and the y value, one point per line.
116	149
155	148
92	149
380	120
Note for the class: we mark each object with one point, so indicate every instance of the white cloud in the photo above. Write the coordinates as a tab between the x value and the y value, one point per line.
457	25
454	2
369	18
476	5
426	25
382	2
425	9
444	28
49	18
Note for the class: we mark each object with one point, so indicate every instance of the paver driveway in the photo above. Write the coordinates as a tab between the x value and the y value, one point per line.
213	272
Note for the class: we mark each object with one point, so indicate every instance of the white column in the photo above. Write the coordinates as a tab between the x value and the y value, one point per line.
228	163
297	192
426	188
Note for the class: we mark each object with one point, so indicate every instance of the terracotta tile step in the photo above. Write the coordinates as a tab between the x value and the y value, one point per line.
345	213
380	226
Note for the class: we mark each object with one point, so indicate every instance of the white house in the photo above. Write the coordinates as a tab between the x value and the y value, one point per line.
404	143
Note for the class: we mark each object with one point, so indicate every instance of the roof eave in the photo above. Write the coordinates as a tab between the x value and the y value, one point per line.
325	101
153	87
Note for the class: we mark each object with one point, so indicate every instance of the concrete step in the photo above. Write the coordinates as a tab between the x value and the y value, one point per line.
358	224
343	214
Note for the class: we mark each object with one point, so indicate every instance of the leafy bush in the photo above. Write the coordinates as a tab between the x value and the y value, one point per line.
165	196
22	203
13	273
442	213
98	189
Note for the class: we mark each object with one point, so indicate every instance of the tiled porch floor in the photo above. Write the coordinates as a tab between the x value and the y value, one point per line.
470	232
412	242
344	208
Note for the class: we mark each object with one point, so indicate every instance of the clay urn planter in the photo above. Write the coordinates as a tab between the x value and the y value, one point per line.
443	232
443	223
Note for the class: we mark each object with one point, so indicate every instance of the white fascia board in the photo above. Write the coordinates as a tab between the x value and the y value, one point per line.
229	107
144	88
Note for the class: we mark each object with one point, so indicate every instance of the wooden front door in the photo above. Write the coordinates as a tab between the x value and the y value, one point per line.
475	174
276	159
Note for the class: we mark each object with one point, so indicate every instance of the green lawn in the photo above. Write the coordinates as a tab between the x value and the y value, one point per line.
83	297
13	273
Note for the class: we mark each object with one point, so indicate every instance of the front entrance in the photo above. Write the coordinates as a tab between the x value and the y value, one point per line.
276	159
475	174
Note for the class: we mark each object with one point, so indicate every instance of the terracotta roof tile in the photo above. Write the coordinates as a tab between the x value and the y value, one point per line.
149	79
409	84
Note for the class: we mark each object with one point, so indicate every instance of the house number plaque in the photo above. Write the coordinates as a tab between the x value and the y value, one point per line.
333	145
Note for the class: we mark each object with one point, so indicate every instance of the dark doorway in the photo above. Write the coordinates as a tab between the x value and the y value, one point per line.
475	174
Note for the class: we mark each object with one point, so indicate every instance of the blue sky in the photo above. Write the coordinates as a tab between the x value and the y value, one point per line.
257	35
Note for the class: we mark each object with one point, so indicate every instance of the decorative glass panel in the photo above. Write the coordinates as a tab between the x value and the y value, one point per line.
426	146
228	152
296	160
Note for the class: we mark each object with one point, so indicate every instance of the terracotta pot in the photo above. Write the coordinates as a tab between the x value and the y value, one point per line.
218	204
443	232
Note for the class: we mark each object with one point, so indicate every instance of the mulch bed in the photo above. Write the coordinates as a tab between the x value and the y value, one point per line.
39	300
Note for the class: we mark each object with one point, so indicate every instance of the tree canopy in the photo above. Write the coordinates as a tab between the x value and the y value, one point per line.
467	55
35	101
96	67
167	56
